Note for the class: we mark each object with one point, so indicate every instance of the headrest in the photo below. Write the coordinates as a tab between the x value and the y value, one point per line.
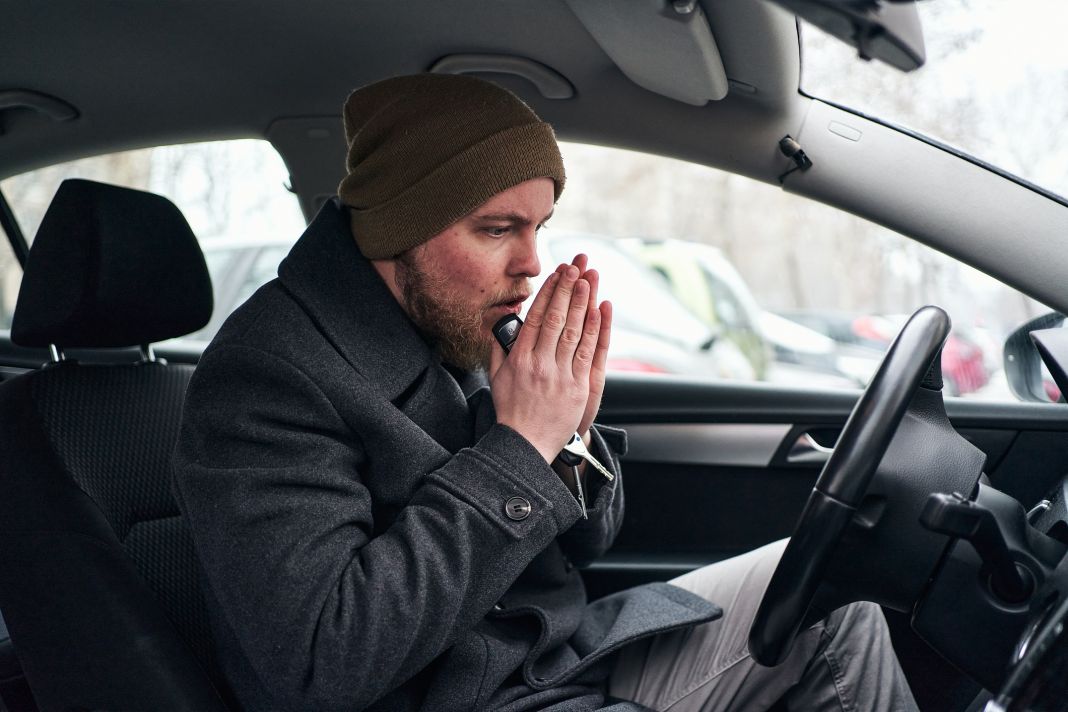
111	267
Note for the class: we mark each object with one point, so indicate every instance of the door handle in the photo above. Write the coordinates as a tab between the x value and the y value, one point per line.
806	451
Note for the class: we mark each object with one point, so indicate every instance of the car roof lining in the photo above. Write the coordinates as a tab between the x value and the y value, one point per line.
143	74
153	73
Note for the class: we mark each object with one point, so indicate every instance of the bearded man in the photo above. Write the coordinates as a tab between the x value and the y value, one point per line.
378	530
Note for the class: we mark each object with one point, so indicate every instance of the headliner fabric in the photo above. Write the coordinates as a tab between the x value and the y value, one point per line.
111	267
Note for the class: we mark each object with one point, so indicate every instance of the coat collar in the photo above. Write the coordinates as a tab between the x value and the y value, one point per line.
341	291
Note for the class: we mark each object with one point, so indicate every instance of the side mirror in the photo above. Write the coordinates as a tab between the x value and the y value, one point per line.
1027	376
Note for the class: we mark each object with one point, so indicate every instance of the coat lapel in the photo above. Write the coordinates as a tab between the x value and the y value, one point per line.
484	415
352	306
341	291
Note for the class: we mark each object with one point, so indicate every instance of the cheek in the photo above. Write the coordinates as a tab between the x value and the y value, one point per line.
477	281
473	275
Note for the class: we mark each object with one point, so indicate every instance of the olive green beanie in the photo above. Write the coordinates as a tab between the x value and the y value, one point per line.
426	150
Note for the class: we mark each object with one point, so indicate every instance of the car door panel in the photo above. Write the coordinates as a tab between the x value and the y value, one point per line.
713	467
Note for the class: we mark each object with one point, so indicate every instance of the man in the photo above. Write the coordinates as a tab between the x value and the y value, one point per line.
379	532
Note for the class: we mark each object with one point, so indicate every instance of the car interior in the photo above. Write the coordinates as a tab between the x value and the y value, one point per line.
950	513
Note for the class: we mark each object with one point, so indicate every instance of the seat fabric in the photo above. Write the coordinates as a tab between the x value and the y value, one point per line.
98	576
112	428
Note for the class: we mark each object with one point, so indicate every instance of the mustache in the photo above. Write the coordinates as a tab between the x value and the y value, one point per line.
517	293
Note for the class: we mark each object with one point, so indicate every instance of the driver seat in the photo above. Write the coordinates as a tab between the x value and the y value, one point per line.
98	578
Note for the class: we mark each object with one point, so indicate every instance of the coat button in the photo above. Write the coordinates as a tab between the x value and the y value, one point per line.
517	508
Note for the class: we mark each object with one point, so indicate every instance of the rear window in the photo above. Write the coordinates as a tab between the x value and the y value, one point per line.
233	193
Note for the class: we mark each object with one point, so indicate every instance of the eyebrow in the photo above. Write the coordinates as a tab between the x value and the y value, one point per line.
511	217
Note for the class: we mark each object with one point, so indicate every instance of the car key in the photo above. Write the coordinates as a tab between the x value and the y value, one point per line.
580	495
506	331
575	451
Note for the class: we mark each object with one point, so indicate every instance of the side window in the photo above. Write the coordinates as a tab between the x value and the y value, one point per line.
776	288
263	270
10	276
232	193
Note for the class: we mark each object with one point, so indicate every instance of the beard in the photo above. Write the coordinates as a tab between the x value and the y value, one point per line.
457	329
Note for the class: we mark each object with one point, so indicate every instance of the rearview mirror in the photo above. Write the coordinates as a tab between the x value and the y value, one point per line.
1028	378
887	31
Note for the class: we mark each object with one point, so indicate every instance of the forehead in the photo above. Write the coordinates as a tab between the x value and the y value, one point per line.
530	200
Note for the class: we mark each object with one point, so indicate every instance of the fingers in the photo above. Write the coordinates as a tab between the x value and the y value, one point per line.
591	276
528	335
576	317
586	351
594	278
562	313
604	336
555	318
600	359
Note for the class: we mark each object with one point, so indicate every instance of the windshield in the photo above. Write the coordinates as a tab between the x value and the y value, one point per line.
995	84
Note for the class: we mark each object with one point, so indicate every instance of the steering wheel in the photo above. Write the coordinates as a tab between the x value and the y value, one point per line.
842	484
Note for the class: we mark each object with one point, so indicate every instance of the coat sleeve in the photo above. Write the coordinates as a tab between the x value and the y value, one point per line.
588	539
330	613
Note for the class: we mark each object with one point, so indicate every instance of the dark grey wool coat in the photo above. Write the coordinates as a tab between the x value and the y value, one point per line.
347	505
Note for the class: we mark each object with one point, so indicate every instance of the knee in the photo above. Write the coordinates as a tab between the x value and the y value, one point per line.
861	618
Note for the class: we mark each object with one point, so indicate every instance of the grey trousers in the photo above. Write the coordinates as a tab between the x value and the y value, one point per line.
843	664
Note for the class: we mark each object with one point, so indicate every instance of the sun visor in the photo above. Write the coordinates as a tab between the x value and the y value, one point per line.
665	46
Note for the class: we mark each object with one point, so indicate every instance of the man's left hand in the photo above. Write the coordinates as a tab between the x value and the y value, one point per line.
600	358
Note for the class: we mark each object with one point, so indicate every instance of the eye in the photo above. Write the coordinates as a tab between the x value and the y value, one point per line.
497	231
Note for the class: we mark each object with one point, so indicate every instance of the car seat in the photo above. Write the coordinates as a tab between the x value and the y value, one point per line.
98	576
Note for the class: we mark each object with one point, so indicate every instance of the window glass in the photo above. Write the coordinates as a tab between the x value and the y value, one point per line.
762	284
10	275
995	83
231	192
712	274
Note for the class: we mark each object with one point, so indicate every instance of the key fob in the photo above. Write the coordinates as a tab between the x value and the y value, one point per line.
570	458
506	330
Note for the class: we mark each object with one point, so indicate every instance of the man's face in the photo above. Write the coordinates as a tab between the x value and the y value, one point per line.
459	283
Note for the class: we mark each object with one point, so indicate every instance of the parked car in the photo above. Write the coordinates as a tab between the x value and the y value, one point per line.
706	282
238	268
963	362
714	467
654	333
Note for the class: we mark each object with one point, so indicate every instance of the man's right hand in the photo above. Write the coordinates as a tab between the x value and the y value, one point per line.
542	387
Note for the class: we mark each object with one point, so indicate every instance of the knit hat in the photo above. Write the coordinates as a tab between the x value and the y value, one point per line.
426	150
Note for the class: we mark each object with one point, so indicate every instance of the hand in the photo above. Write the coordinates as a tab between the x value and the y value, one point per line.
542	388
600	358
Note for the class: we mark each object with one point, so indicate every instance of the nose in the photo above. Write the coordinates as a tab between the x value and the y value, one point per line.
524	262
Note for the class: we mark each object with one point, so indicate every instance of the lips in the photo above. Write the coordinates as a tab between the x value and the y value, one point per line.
512	305
508	306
